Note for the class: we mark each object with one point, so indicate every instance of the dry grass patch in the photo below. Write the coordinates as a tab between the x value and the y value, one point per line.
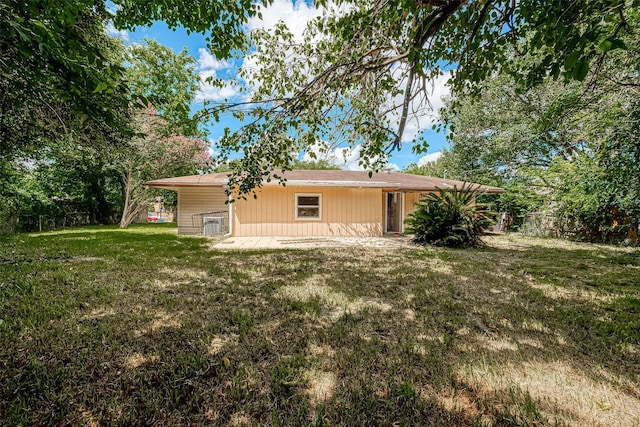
409	314
239	419
630	349
564	393
530	342
138	359
98	313
174	277
79	259
492	343
535	326
219	342
161	320
87	418
321	385
336	302
455	401
322	351
314	287
184	273
439	266
569	293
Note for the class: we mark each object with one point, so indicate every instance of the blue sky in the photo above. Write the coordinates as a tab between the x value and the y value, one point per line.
295	15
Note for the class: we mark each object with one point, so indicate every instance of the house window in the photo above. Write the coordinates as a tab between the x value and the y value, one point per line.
308	206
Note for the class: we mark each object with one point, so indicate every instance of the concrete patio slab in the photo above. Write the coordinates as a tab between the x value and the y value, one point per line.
315	242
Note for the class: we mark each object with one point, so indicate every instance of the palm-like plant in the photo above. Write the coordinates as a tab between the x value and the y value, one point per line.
450	218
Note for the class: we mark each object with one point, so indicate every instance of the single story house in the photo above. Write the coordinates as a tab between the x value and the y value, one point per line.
313	203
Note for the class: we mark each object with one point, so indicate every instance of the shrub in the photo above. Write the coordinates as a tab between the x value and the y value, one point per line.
450	218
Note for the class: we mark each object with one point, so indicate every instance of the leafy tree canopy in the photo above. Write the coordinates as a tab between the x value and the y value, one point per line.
168	80
167	142
59	74
319	164
363	68
59	161
569	150
221	20
153	155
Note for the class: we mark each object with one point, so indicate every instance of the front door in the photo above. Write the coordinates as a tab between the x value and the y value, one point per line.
394	213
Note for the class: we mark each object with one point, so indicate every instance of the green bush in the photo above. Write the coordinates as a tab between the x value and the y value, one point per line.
450	218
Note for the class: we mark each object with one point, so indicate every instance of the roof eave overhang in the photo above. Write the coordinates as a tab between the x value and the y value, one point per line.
385	186
176	186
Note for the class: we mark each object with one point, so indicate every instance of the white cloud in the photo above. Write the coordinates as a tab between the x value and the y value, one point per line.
211	149
294	15
112	8
113	31
343	157
215	93
429	158
346	158
208	62
208	67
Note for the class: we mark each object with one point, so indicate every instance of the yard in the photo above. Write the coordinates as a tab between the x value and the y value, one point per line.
100	326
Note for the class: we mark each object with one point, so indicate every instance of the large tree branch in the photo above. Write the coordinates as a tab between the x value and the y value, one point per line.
397	142
426	28
476	28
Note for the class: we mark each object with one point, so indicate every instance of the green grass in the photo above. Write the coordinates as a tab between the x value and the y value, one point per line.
100	326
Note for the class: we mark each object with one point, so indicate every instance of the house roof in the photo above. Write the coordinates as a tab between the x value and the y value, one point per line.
396	181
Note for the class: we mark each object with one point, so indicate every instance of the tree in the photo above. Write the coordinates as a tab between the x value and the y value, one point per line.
61	91
168	80
21	199
58	76
81	182
568	149
222	20
153	155
68	168
319	164
450	165
167	142
363	68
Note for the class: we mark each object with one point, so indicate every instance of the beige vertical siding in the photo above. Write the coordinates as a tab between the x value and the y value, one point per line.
194	200
345	212
410	199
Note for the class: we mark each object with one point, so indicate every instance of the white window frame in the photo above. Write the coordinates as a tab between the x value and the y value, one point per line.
308	218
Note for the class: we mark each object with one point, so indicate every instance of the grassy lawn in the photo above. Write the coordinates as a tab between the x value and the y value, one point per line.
100	326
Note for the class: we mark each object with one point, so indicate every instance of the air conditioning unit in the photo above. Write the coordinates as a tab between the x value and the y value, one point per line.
213	225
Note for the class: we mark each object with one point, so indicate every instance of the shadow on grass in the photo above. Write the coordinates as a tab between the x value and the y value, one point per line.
144	326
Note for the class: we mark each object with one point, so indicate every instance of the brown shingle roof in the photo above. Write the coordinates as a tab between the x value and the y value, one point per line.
329	178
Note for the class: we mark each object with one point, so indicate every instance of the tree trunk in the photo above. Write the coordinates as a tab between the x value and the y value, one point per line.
126	210
136	198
